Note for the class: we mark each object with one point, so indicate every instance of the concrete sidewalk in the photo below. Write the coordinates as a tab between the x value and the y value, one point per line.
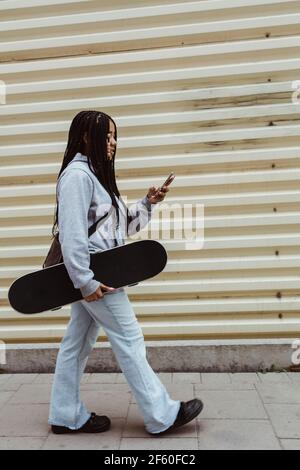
241	411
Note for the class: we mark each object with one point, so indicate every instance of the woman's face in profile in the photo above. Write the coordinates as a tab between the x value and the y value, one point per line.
111	142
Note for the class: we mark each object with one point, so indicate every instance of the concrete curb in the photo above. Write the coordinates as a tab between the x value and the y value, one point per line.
165	356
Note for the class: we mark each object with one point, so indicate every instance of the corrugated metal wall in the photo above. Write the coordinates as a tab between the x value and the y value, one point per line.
202	88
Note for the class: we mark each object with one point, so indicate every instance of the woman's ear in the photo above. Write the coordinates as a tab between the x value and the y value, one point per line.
85	137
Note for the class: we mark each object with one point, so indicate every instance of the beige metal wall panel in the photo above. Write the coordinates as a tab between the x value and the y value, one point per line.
202	88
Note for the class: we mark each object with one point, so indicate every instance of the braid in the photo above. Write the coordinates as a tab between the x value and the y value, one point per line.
96	126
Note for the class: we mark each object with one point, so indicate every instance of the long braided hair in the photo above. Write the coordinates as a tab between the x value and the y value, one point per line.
96	126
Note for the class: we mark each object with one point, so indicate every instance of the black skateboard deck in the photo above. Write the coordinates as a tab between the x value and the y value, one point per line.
51	288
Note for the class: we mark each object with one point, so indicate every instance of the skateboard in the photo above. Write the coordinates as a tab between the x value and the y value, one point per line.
51	288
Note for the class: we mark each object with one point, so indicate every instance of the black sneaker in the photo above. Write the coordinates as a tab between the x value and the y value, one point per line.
94	424
188	410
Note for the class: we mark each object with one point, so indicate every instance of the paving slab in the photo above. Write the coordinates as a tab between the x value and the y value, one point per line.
21	443
114	404
107	440
290	444
244	378
244	404
42	379
241	411
104	378
279	393
230	434
10	386
229	386
294	376
121	379
4	397
14	381
4	378
22	378
187	378
276	377
31	394
285	419
24	421
181	391
165	377
180	443
215	379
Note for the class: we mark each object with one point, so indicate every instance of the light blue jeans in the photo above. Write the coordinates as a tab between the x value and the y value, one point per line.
115	314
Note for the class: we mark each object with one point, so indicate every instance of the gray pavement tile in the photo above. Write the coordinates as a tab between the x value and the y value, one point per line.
165	377
285	419
14	381
242	404
135	427
108	440
120	379
32	394
85	378
170	443
103	378
229	387
21	443
41	393
43	379
187	377
229	434
215	379
4	397
22	379
279	393
4	378
113	404
10	386
277	377
294	376
181	391
234	416
290	444
244	378
26	421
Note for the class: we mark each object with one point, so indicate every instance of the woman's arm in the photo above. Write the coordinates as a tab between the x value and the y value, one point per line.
75	190
139	215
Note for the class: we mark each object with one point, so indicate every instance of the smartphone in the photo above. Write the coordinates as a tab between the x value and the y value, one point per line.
168	180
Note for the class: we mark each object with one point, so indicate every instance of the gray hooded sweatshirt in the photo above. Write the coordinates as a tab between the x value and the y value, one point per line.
82	200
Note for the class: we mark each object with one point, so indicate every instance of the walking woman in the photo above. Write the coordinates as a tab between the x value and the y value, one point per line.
86	191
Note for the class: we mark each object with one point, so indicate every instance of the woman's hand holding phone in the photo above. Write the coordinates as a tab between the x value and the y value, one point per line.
158	194
154	195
